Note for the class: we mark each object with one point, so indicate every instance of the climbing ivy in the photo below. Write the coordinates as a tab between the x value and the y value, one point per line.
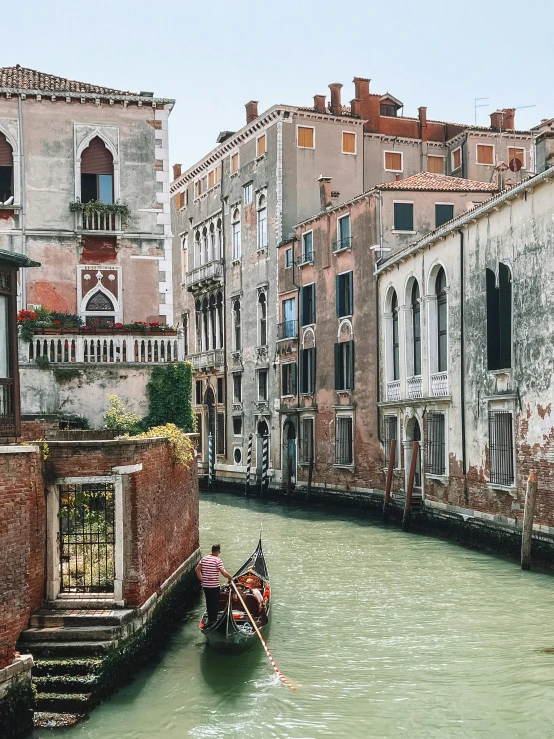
170	397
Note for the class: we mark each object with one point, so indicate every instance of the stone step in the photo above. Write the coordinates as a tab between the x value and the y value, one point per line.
66	667
53	720
69	633
56	617
78	703
66	683
61	649
87	604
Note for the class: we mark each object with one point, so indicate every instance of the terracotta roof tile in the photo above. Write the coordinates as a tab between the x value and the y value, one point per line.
438	182
22	78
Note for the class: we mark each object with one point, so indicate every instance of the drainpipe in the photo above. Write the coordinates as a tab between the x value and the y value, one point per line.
23	272
462	363
223	260
377	348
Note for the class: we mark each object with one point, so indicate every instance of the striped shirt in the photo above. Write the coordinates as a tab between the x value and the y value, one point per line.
210	567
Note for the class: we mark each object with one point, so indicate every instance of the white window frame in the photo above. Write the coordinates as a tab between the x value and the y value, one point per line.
235	375
261	242
288	250
283	365
258	372
261	136
339	219
352	153
238	436
452	167
302	125
392	151
435	212
523	149
344	414
437	156
304	260
490	146
248	189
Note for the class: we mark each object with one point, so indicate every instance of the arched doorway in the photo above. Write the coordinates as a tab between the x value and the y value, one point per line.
289	449
261	431
209	400
413	433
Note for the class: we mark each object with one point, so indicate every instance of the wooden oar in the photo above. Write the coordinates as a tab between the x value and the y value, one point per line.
279	674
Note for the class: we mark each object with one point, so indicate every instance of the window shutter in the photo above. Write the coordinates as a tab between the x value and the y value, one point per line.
284	370
443	214
351	367
6	154
338	295
337	367
220	433
293	378
350	293
505	316
96	158
303	306
303	371
312	317
312	388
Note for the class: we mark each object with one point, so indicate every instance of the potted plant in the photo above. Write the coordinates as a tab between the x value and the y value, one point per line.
27	321
161	329
69	323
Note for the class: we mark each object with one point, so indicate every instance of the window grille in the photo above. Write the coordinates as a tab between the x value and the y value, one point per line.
501	444
436	464
391	432
344	447
307	440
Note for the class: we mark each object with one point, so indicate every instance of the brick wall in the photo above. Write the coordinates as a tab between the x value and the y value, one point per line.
22	544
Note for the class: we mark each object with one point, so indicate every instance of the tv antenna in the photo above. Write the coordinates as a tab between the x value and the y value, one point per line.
478	104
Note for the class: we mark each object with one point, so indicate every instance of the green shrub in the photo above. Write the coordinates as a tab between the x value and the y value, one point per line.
170	396
117	418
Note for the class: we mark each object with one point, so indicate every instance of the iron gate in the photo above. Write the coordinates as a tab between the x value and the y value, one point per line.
87	538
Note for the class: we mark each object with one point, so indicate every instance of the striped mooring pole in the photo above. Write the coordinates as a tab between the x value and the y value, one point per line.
248	464
265	464
211	461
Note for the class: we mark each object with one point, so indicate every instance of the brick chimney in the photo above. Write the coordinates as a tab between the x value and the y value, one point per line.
336	105
325	192
503	119
422	112
319	103
361	86
356	107
251	111
177	170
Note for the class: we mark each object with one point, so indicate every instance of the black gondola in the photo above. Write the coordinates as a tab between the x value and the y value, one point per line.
233	630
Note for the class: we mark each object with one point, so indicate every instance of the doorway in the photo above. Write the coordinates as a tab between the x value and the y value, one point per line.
413	433
289	449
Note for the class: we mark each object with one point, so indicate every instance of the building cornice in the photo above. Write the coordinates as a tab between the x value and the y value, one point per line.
57	96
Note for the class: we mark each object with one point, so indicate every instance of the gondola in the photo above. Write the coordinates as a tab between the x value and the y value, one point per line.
233	630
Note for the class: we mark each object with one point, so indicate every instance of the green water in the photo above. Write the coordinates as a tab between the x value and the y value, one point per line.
386	635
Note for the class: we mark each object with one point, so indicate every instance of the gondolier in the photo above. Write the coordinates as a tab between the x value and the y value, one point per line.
207	571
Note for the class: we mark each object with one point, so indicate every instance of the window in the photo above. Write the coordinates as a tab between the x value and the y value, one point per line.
198	392
395	339
436	464
99	306
456	159
307	247
186	331
501	444
485	154
344	365
307	439
388	110
262	384
220	397
344	287
6	170
179	199
236	234
393	161
344	446
442	323
237	455
199	430
307	371
97	173
237	387
198	326
444	212
288	326
262	317
236	325
391	432
305	137
247	194
237	425
344	237
288	379
499	319
403	216
220	434
260	146
307	304
513	153
288	257
211	178
218	171
219	313
435	164
197	189
235	163
184	252
348	142
262	222
416	330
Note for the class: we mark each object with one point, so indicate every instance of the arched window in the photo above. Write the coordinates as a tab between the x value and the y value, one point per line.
198	307
6	171
205	328
99	306
197	250
236	325
262	318
442	321
236	234
262	222
499	318
204	245
212	254
416	330
219	241
213	328
97	173
395	354
219	308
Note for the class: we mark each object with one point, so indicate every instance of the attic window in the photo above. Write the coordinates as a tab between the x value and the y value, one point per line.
389	109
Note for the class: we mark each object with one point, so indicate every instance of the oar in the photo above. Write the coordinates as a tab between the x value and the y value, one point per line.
281	677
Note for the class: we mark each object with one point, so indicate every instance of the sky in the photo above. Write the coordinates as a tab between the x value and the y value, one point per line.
212	57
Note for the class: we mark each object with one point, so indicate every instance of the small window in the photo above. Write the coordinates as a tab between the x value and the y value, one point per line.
237	425
436	464
235	163
348	142
235	227
237	455
262	318
220	397
499	319
198	392
435	164
307	304
307	371
247	194
443	213
307	247
388	110
237	387
305	137
288	379
260	146
6	170
344	444
288	257
344	288
307	439
456	159
391	432
513	153
218	170
344	365
485	154
393	161
501	445
344	233
262	384
403	216
262	222
288	327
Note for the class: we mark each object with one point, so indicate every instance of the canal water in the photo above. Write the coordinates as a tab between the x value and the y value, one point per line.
385	635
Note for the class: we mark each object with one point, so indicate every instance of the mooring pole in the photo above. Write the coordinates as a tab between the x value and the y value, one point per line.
310	474
528	514
265	464
407	507
248	464
211	471
388	486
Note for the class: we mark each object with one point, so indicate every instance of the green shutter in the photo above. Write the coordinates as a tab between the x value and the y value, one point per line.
338	295
505	316
351	293
313	370
351	366
337	367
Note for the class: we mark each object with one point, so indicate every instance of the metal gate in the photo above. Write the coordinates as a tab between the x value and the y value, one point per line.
87	538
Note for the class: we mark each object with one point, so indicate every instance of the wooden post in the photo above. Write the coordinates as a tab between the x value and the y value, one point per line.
529	511
289	476
388	486
248	465
408	505
310	474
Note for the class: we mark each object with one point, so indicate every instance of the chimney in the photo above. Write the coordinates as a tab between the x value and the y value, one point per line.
336	105
176	170
325	192
361	86
356	107
397	178
422	112
251	111
319	103
544	151
503	120
335	197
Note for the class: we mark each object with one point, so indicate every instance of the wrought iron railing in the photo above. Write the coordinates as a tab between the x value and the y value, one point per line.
287	330
306	258
342	244
8	421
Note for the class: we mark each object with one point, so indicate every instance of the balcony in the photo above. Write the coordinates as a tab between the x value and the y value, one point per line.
342	244
214	359
439	384
306	258
393	391
414	388
208	275
98	223
287	330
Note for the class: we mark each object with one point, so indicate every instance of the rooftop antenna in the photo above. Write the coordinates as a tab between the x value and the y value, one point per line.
478	104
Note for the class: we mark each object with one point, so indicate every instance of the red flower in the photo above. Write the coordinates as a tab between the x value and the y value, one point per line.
26	315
